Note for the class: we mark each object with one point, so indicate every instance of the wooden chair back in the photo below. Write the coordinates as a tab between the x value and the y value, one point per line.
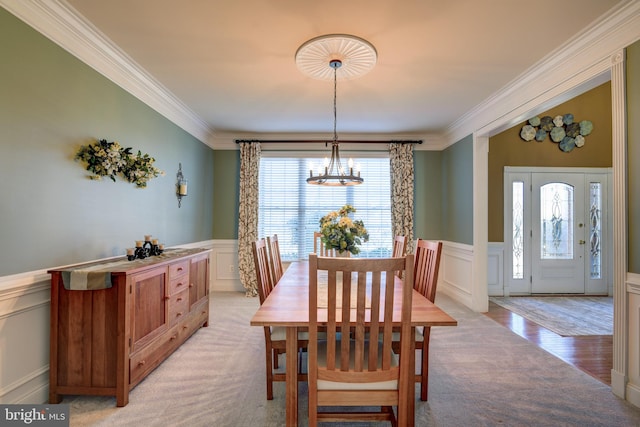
319	248
399	249
263	274
427	264
367	287
275	262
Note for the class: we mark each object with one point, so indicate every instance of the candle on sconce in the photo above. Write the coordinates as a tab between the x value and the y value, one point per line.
138	243
182	188
147	237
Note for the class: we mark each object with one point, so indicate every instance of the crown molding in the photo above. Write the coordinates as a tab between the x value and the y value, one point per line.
578	65
63	25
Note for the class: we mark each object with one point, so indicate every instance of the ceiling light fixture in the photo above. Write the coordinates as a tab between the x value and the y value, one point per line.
354	57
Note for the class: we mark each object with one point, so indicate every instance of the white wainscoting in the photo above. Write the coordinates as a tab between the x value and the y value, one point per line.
495	269
456	272
633	356
24	337
224	266
25	301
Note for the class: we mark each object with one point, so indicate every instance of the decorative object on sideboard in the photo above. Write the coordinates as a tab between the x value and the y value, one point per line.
181	185
110	159
561	129
148	247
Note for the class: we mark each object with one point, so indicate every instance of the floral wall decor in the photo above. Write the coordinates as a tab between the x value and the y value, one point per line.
561	129
110	159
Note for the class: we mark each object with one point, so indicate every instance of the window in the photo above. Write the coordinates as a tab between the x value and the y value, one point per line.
291	208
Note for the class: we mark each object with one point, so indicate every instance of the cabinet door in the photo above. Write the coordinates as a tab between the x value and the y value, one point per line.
150	314
198	278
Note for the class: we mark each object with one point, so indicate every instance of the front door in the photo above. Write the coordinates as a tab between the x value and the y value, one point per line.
556	231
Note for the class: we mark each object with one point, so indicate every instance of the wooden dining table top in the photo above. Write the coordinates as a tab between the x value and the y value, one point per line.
288	304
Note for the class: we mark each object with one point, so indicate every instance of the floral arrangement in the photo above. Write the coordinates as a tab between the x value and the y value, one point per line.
561	129
341	232
109	159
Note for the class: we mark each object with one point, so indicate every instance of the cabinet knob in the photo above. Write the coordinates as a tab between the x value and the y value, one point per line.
191	285
173	337
142	363
179	314
180	284
179	268
179	299
167	298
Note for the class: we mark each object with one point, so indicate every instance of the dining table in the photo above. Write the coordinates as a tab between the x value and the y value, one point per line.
288	306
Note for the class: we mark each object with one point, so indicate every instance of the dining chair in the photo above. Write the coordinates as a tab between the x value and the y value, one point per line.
426	267
344	367
319	247
274	337
275	262
399	249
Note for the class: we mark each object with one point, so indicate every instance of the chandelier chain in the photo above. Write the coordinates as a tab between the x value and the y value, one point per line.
335	108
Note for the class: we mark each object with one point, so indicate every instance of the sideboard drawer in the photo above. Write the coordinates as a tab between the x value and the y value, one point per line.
178	306
178	269
178	284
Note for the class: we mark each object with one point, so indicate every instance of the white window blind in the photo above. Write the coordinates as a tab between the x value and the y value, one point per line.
291	208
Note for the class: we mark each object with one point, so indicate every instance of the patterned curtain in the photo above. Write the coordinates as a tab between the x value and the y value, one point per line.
401	157
248	214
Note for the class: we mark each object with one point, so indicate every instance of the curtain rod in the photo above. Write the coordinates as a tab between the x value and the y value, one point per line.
287	141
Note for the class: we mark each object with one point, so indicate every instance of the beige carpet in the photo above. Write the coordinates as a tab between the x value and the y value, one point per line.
481	374
566	316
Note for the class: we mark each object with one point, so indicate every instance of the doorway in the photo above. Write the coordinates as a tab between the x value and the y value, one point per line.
557	231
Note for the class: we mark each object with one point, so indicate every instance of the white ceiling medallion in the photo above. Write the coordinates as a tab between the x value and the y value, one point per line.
357	55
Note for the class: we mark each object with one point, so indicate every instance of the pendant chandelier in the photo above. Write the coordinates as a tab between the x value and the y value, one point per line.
358	57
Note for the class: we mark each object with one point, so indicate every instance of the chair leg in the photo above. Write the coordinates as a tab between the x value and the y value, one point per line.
276	352
269	361
424	383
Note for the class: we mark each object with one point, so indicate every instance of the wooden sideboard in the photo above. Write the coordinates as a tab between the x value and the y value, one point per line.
105	341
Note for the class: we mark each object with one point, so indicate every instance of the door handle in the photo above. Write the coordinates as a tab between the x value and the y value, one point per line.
582	242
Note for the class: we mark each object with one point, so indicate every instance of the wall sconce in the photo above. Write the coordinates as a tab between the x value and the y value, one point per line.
181	185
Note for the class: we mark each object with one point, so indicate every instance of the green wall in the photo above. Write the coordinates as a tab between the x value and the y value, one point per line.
51	214
457	192
226	180
508	149
633	153
427	195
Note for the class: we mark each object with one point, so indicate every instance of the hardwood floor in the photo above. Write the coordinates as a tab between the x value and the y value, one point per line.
592	354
